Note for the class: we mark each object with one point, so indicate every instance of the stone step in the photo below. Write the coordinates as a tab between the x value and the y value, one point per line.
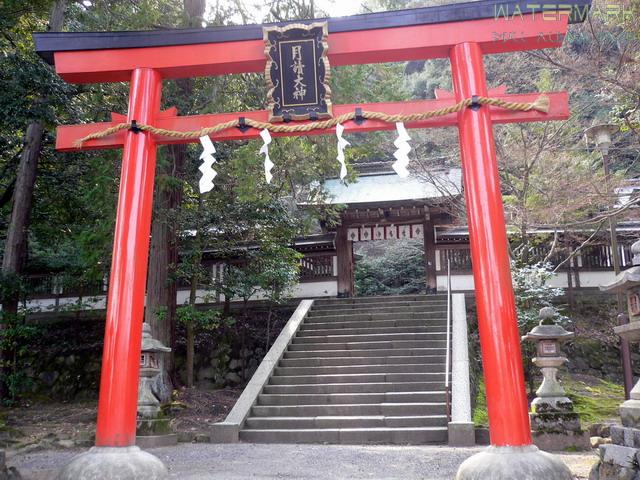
415	303
386	409
369	337
350	398
351	362
385	299
357	378
385	435
364	421
375	352
306	331
379	308
398	322
354	317
371	345
380	387
371	367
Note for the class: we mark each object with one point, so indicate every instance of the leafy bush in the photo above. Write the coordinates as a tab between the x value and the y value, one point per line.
533	292
391	268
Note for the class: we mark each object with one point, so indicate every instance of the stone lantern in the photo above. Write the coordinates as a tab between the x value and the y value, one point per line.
148	403
554	424
628	283
548	337
152	429
600	135
618	459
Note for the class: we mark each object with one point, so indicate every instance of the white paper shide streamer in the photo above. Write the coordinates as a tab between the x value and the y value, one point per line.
342	143
208	173
268	164
401	154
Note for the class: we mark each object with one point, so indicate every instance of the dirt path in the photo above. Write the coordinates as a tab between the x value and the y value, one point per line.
45	425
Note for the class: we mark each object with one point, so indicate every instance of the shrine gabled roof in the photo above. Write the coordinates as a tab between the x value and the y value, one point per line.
48	43
389	187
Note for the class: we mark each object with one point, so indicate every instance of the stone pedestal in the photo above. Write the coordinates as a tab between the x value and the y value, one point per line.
550	393
630	410
620	460
555	426
154	432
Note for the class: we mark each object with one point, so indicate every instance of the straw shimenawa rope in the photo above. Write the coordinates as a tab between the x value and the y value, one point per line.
541	104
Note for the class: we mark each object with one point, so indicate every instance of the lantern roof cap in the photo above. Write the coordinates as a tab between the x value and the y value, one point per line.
624	280
548	331
629	331
598	127
628	278
150	344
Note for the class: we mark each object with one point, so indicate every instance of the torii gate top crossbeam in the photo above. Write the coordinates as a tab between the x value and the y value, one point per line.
415	34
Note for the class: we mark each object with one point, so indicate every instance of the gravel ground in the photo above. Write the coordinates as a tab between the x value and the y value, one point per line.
313	462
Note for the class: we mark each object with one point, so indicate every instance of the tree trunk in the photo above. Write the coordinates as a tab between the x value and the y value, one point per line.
191	341
195	281
161	288
191	335
161	291
16	245
268	328
15	251
56	18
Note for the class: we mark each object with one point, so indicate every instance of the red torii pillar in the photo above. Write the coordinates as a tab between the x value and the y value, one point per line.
511	452
116	426
497	317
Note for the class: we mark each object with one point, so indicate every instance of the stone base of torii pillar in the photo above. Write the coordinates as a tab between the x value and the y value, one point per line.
507	463
114	463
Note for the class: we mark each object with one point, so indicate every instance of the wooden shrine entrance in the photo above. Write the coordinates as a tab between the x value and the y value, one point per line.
462	33
378	224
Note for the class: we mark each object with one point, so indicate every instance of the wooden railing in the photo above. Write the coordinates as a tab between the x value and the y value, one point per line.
459	257
592	257
63	286
316	267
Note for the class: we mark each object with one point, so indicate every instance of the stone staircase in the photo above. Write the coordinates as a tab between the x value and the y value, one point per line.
361	370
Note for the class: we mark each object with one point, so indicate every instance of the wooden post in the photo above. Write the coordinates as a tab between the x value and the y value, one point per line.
430	256
344	252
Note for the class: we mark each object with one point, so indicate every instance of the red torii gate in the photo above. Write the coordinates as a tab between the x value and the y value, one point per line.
464	33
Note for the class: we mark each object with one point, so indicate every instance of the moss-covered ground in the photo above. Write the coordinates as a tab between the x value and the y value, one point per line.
596	400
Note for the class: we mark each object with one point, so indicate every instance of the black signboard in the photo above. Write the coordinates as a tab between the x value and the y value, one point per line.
297	72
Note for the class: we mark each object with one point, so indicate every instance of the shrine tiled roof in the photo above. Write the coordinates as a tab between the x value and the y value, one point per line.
389	187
